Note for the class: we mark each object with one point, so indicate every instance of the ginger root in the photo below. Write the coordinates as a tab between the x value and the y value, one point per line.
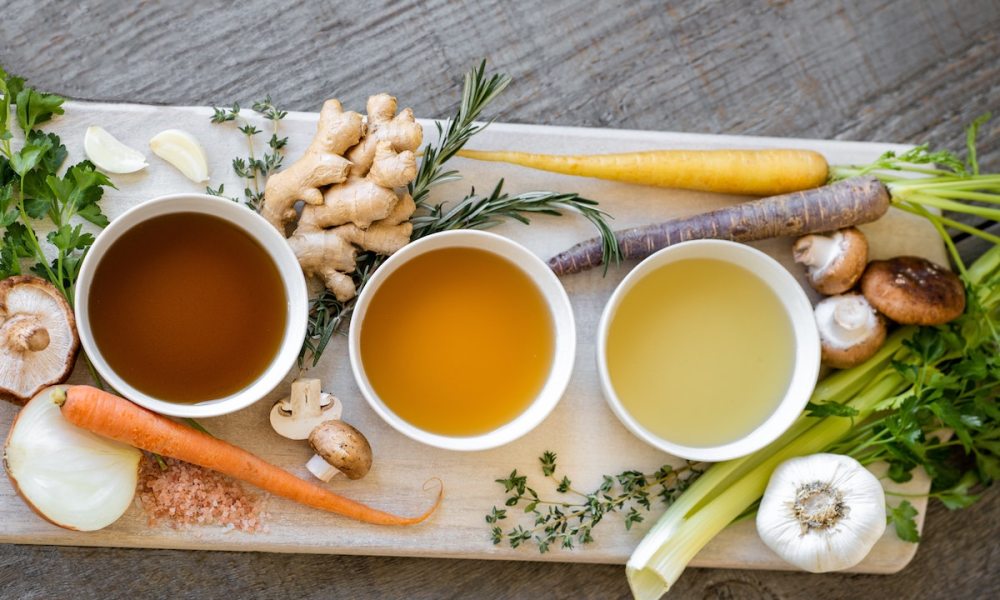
351	179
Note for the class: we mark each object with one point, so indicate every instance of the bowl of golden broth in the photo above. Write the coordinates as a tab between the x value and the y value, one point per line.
191	305
708	350
463	340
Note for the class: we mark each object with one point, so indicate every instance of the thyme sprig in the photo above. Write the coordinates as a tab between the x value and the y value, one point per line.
566	522
251	169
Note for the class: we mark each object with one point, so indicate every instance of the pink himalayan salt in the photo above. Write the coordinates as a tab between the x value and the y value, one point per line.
185	495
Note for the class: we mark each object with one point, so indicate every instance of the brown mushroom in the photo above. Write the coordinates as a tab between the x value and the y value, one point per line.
835	261
850	331
38	340
913	291
340	448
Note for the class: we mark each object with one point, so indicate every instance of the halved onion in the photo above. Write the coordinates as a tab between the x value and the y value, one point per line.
109	154
182	150
71	477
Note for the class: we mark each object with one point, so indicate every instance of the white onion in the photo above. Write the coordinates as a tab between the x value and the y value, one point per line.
71	477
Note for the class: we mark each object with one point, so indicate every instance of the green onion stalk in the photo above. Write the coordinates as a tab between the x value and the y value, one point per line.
886	409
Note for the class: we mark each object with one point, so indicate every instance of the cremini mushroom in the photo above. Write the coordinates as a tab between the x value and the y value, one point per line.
913	291
38	340
306	407
340	448
850	330
835	261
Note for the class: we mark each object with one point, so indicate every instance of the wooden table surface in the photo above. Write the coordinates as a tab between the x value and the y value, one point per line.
889	71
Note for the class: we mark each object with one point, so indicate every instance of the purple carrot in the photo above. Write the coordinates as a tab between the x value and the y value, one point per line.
835	206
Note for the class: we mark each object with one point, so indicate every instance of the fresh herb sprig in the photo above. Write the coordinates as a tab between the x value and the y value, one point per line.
327	315
251	169
570	519
32	189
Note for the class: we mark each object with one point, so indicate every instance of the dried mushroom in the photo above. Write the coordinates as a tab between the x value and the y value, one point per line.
38	340
913	291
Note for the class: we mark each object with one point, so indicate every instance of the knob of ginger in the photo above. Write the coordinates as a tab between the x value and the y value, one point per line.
352	179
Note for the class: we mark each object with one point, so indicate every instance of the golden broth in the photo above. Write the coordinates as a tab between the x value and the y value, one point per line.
457	341
187	307
700	352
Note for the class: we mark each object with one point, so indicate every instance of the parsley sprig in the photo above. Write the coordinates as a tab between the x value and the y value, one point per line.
570	519
31	189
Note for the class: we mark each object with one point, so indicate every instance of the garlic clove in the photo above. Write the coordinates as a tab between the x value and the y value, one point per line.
182	150
109	154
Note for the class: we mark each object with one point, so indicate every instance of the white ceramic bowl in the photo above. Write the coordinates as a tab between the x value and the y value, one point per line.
562	319
800	314
258	229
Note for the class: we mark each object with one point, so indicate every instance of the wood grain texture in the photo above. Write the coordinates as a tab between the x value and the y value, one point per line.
899	71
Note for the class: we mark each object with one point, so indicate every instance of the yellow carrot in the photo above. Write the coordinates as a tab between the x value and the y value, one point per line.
746	172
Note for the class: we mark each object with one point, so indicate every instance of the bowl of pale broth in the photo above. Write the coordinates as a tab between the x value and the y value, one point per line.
708	350
463	340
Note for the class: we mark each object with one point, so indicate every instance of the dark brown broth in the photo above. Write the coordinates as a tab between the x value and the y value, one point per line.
187	307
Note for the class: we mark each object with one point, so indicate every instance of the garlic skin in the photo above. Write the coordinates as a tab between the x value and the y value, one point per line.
822	512
182	150
69	476
109	154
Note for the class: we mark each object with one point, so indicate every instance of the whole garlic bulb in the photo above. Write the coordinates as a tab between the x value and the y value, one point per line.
822	512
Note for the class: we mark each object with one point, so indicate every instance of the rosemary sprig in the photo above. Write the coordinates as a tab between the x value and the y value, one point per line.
327	316
477	93
568	522
253	170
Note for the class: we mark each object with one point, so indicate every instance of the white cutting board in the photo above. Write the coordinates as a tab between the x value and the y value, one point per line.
582	430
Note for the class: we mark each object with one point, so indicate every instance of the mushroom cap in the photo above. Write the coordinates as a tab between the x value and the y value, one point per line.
913	291
850	330
344	447
296	415
38	340
834	261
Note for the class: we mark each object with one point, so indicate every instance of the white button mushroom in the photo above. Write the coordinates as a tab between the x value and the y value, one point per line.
297	415
38	340
850	331
834	262
340	448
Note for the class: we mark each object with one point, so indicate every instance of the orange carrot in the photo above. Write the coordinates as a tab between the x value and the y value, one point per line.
748	172
116	418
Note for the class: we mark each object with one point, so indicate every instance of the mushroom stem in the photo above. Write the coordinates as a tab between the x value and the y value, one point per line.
818	251
323	470
851	316
25	333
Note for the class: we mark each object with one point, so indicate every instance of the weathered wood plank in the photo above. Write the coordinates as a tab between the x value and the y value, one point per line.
894	71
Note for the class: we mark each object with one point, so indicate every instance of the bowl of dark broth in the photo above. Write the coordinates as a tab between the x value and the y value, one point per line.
191	305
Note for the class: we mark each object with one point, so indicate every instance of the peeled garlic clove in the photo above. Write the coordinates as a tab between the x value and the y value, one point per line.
183	151
109	154
69	476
